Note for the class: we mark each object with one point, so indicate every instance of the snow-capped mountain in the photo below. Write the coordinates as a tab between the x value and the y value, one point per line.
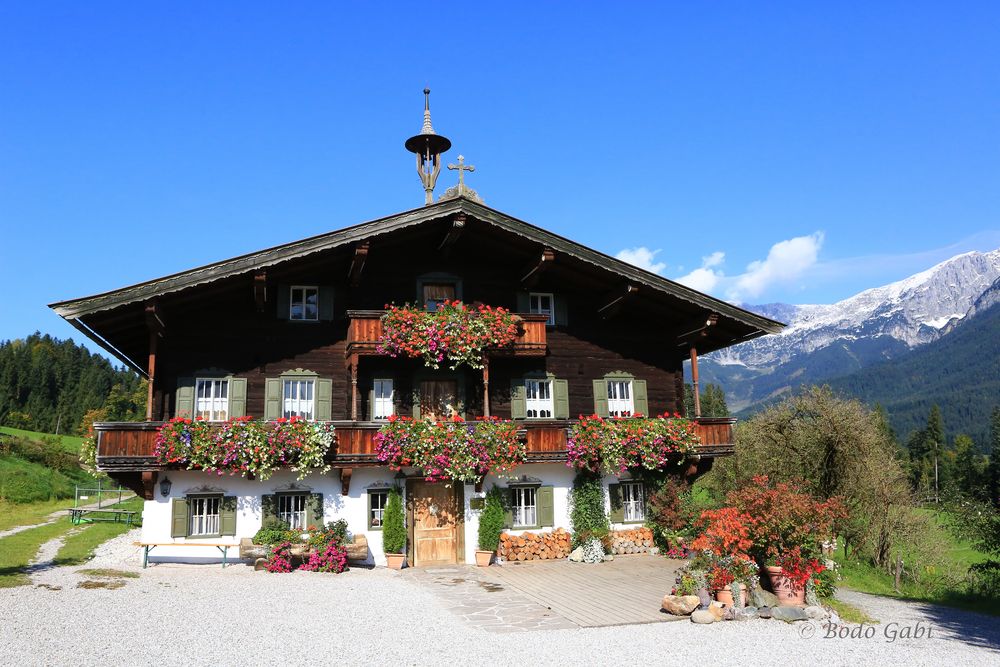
911	312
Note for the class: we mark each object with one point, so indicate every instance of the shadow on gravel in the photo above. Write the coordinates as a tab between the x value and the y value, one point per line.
974	629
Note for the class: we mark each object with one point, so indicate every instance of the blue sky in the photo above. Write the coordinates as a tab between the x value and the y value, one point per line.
764	153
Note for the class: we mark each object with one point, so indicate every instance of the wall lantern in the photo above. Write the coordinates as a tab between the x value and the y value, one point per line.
165	485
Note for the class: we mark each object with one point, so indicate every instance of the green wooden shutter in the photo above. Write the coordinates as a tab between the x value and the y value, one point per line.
560	398
523	302
179	517
227	515
508	510
314	510
369	519
184	403
617	509
268	508
272	398
562	310
326	302
324	400
601	397
546	506
284	301
518	402
641	403
237	397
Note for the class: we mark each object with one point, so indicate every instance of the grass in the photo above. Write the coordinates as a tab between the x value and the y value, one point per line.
17	550
848	612
70	443
108	573
27	514
79	547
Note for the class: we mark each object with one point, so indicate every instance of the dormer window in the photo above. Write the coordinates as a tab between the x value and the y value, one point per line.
303	304
543	304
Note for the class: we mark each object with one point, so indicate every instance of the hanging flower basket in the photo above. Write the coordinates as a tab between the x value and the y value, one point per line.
614	445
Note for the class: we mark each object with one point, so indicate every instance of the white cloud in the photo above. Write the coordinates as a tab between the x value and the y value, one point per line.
705	278
642	257
786	262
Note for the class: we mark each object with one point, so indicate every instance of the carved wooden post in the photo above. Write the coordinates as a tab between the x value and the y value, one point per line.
354	387
151	372
486	386
694	382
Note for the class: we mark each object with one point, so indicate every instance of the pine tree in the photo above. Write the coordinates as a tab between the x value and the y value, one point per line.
934	438
993	472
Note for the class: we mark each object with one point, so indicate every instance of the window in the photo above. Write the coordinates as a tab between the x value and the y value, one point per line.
543	304
633	507
212	400
382	397
538	399
298	399
435	294
292	510
204	513
304	304
620	398
525	507
376	507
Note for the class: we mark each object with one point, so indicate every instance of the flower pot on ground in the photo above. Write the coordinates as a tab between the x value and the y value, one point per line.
395	561
789	595
725	596
491	524
483	558
394	530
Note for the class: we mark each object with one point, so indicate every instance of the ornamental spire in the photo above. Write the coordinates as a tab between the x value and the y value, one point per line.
428	147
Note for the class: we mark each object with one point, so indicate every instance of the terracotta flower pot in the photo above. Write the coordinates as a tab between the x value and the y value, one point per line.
395	561
483	558
725	596
789	595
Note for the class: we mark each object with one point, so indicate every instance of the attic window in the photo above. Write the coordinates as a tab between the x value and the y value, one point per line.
303	306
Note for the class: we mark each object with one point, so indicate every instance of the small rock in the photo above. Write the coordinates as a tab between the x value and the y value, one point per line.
576	556
680	605
761	598
746	614
716	609
729	614
654	550
259	563
835	618
816	613
764	612
608	557
789	614
704	598
703	617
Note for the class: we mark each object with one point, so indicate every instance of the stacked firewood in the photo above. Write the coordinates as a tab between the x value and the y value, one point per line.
532	546
637	541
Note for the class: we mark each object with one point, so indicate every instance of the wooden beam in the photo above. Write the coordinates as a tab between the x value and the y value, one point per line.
156	327
345	480
696	329
455	231
149	484
354	387
358	263
154	318
260	290
534	271
615	302
694	382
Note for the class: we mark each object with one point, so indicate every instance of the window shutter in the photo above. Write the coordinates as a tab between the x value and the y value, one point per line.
546	506
560	398
184	402
562	310
179	517
371	404
369	519
639	397
518	402
268	508
314	510
326	302
601	397
508	510
284	301
272	398
617	509
324	400
227	516
523	302
237	397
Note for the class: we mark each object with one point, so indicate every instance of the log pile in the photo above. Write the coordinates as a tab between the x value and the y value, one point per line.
535	546
637	541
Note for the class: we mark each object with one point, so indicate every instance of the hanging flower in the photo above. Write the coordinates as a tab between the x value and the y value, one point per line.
616	444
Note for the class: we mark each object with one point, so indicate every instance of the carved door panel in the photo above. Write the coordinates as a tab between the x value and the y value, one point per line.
435	523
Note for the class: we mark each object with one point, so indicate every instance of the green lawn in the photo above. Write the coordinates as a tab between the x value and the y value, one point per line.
26	514
70	443
79	547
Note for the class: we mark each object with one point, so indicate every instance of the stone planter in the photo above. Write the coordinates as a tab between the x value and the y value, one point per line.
395	561
483	558
725	596
788	594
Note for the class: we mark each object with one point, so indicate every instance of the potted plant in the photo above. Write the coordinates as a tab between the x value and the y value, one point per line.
491	523
730	577
394	531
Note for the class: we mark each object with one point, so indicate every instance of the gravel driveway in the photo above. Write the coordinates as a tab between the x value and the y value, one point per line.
180	615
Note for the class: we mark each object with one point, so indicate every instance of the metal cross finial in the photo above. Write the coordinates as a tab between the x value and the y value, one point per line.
462	168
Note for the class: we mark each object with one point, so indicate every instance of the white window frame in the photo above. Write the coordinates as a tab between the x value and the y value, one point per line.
294	404
535	405
303	292
550	311
292	509
216	406
621	397
377	511
204	516
633	502
525	506
383	406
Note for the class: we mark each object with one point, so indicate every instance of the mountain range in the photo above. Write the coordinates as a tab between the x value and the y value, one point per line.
894	345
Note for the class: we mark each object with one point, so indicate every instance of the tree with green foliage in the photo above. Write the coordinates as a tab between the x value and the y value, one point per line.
393	527
587	515
966	469
712	399
993	471
491	520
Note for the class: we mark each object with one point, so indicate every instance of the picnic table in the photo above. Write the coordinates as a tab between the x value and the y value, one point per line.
78	515
149	546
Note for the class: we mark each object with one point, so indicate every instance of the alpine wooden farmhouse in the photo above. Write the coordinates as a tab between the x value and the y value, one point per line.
294	330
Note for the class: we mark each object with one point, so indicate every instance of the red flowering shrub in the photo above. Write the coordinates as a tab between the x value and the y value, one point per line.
331	558
177	438
798	569
616	444
724	532
280	559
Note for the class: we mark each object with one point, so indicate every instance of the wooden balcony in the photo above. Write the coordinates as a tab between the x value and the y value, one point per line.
366	328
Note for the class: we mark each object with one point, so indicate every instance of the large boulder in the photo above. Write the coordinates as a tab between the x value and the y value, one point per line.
680	605
761	598
703	617
789	614
745	614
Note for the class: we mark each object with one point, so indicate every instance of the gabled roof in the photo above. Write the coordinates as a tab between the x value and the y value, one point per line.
74	309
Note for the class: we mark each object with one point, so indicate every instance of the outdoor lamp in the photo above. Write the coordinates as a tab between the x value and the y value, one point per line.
165	484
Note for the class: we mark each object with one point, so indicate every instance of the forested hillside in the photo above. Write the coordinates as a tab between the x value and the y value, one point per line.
48	385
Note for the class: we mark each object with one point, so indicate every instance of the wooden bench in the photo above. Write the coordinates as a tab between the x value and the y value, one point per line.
76	515
149	546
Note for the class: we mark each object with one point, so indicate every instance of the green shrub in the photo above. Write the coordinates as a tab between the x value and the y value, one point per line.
491	521
275	531
586	515
393	530
334	533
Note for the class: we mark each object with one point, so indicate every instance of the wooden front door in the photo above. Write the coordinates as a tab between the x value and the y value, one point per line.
438	399
435	523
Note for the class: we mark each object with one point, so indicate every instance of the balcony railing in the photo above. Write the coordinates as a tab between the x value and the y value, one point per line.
366	328
130	446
